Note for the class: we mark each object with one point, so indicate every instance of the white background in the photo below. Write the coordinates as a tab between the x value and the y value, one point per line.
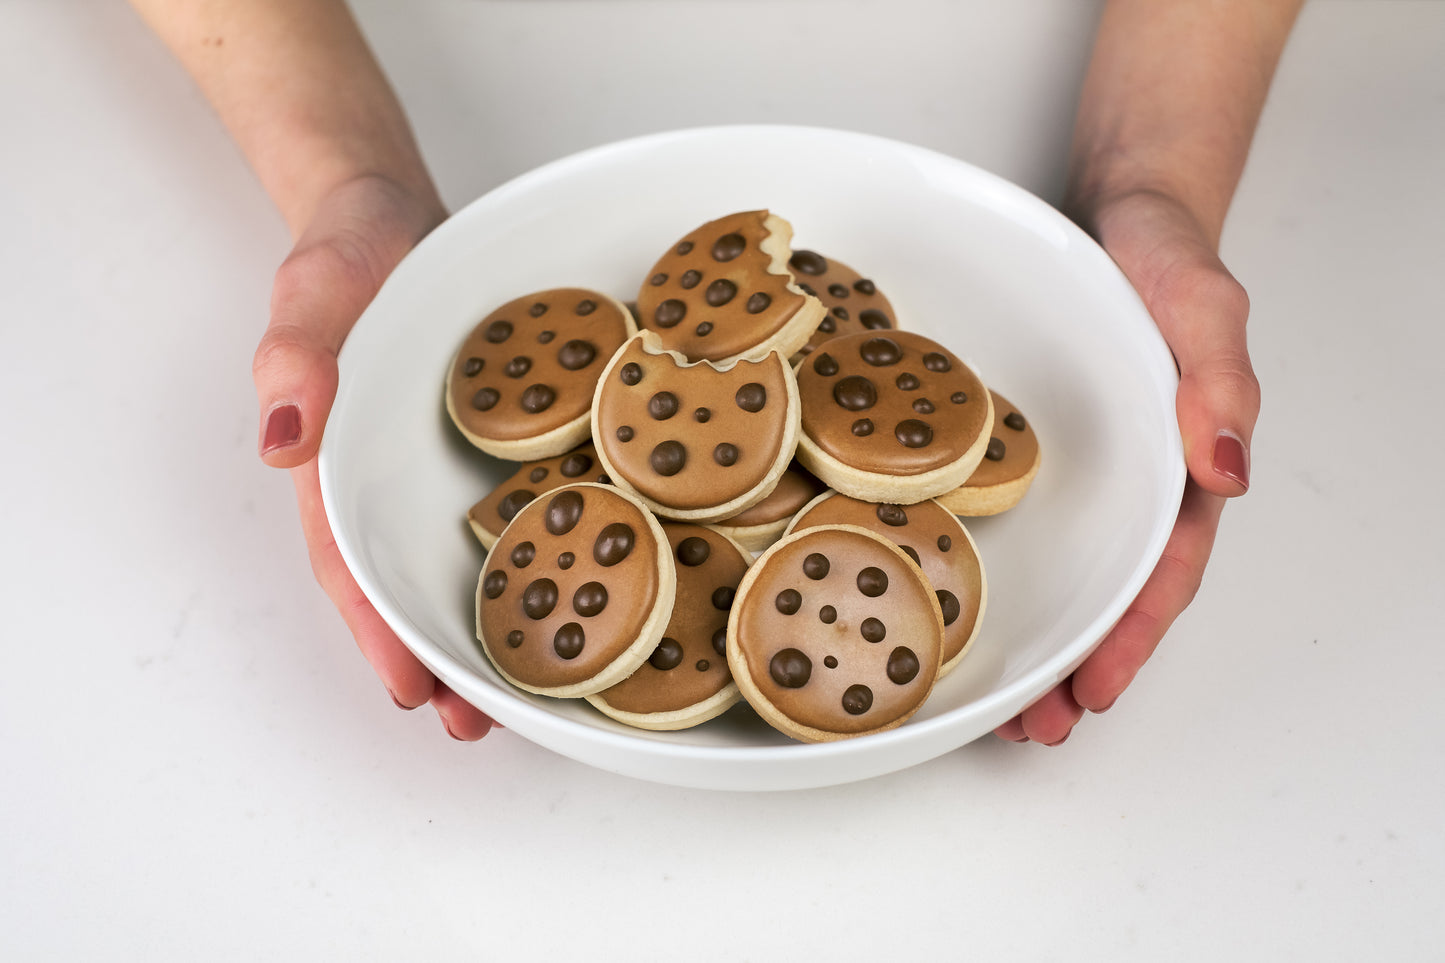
196	764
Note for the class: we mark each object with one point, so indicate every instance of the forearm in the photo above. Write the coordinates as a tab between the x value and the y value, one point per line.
1171	100
299	91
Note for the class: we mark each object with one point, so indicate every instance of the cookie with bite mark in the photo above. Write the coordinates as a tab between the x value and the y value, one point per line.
1009	466
490	516
852	302
576	592
724	292
686	680
520	386
835	633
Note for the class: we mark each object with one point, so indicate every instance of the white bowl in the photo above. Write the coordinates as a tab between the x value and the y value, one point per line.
991	271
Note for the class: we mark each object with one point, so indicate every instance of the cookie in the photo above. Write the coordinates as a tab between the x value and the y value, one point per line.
576	592
520	387
1008	468
695	442
835	633
852	302
686	680
724	292
891	418
760	526
490	515
934	538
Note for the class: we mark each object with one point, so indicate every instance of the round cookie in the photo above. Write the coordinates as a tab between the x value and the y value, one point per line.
891	418
490	516
724	291
852	302
1008	468
576	592
934	538
520	386
695	442
758	527
686	681
835	633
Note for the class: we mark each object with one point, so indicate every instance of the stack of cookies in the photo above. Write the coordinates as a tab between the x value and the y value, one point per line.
753	401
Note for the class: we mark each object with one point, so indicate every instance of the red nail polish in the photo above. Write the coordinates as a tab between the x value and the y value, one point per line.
1231	459
283	429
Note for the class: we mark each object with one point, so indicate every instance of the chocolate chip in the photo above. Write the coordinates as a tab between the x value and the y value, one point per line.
912	433
684	248
703	330
586	306
669	313
604	479
720	641
576	354
923	406
958	398
537	398
934	361
816	566
703	665
903	665
995	450
855	393
944	543
790	668
863	427
658	280
693	550
537	474
494	584
857	699
826	365
518	366
872	582
807	288
725	454
575	464
690	280
668	458
537	309
751	397
831	661
539	598
837	290
523	554
949	603
873	630
564	511
614	543
758	303
880	352
720	292
1014	420
514	503
874	320
631	373
566	560
865	286
545	337
827	615
788	601
667	655
701	416
498	331
569	640
840	313
894	515
907	382
827	325
589	599
473	367
722	598
486	399
912	553
514	638
728	247
625	433
808	262
662	405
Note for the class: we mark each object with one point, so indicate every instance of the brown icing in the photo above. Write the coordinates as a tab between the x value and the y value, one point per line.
859	407
934	538
690	664
1018	447
569	586
532	480
837	632
648	425
795	489
714	295
851	302
530	366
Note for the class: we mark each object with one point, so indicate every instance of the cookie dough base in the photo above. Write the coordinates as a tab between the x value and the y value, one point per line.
685	718
755	538
977	501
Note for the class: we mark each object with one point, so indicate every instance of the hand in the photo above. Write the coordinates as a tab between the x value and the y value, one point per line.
1201	310
358	233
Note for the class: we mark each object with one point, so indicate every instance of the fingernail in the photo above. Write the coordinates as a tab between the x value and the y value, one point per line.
399	704
283	429
1060	742
448	728
1105	708
1231	458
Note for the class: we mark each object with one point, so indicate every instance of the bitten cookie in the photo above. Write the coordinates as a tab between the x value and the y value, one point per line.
934	538
835	633
534	478
891	418
724	292
695	442
521	385
1008	468
686	681
852	302
576	592
760	526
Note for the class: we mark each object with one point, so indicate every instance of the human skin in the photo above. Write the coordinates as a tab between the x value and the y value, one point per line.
1169	106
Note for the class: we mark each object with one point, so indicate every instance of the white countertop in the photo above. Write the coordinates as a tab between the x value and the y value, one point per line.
198	765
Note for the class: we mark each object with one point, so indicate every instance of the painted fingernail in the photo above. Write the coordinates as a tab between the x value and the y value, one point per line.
283	429
1231	458
1060	742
